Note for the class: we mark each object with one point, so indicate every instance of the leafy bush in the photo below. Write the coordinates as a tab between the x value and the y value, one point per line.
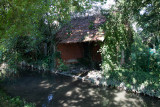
140	69
7	101
62	66
91	26
139	81
1	58
141	58
141	74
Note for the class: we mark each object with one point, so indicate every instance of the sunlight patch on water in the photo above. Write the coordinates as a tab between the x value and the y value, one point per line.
78	90
74	101
122	97
61	86
96	102
81	96
45	85
69	93
44	81
91	92
65	105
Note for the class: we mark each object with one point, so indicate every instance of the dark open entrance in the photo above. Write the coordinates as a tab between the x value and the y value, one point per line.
91	58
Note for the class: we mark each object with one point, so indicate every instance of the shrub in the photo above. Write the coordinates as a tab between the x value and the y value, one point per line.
62	66
139	81
7	101
141	58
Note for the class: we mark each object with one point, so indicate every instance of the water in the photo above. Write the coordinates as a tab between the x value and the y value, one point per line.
62	91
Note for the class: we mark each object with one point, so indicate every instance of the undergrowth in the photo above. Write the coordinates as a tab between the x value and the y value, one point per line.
138	81
7	101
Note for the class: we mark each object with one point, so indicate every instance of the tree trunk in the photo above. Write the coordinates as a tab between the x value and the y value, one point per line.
122	57
45	49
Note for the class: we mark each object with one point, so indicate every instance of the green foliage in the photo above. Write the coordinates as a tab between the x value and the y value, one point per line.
149	20
27	25
1	56
140	72
117	38
19	30
141	57
17	17
7	101
145	82
17	49
91	26
62	66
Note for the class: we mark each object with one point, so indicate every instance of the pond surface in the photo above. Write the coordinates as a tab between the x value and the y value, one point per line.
62	91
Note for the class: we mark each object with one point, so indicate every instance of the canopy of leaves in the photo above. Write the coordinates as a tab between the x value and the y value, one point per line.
119	33
26	25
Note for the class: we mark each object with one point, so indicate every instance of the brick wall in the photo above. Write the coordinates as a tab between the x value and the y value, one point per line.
70	52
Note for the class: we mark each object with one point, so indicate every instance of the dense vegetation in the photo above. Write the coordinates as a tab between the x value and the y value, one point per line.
132	57
8	101
28	28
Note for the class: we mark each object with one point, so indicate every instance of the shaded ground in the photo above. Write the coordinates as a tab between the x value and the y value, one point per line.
68	92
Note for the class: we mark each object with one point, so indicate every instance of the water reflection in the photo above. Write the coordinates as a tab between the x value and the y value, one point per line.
50	98
43	105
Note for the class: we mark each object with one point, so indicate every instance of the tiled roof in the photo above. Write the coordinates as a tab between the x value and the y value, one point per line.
82	30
